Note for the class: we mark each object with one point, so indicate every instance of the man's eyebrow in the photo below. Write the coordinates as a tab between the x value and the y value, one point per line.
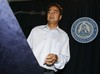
54	10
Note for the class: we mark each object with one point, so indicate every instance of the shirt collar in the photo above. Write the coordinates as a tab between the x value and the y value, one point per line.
46	26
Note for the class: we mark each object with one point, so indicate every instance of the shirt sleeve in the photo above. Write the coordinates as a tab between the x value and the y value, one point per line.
64	56
30	38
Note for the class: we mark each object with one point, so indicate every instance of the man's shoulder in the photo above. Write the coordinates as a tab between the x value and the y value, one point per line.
39	27
64	33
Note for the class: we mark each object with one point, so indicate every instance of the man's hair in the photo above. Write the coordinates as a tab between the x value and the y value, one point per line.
58	6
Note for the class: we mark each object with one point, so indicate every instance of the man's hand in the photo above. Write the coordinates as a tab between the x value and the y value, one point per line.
51	59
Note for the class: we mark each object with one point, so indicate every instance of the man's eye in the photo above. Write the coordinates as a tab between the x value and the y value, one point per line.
55	12
49	12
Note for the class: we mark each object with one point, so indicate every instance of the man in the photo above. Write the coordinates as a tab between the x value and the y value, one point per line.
49	43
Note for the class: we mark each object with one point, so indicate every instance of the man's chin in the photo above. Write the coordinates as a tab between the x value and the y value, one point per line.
52	21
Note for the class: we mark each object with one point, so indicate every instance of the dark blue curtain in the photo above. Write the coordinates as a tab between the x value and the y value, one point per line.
16	56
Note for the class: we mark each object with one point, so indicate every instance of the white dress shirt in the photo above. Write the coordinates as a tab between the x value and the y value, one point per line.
43	41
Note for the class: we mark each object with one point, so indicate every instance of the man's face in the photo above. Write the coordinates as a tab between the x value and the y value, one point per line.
53	15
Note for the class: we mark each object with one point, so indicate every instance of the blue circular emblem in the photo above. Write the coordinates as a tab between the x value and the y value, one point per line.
84	30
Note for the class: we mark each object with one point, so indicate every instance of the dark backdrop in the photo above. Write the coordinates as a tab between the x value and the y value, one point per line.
85	58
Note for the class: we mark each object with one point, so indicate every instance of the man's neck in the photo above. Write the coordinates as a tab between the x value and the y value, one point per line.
52	26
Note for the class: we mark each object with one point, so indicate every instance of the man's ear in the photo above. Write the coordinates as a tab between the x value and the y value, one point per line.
60	17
